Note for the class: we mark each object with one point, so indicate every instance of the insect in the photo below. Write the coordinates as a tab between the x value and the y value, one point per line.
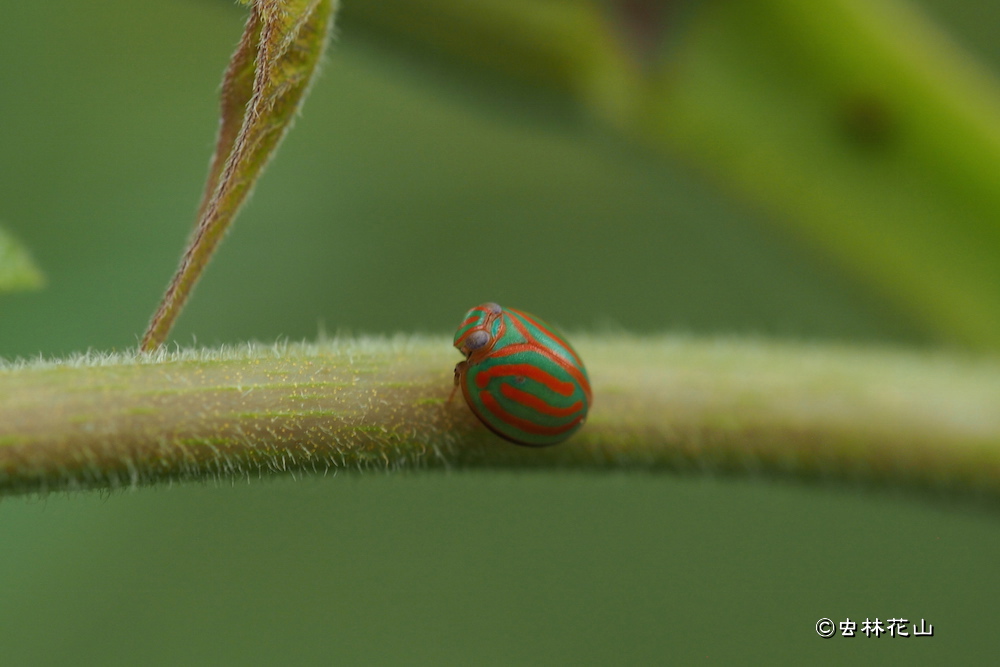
520	377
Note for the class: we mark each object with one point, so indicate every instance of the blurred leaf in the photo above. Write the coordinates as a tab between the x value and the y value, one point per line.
18	270
856	123
265	83
865	131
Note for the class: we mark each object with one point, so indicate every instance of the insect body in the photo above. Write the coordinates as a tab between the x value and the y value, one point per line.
520	377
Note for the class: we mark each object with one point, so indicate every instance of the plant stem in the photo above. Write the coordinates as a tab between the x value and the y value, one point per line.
806	411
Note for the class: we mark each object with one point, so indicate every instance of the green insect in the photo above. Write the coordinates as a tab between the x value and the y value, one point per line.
521	378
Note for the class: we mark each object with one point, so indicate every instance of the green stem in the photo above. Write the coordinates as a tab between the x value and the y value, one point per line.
659	403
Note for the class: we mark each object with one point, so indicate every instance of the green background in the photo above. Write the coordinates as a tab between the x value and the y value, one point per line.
410	190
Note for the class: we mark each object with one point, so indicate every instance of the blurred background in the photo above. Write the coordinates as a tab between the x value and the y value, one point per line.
705	167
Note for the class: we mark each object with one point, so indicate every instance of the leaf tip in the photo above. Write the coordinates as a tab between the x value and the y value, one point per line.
18	270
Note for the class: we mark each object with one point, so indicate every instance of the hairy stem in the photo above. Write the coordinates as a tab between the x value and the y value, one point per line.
920	419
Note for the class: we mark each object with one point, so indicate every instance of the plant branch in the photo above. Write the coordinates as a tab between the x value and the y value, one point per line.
806	411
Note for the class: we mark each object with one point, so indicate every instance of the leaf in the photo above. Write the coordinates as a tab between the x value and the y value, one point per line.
856	124
18	270
865	132
266	82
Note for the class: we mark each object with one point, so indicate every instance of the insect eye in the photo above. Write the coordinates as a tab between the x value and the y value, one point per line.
493	308
476	340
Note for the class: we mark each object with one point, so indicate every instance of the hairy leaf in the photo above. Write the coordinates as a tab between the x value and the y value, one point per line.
264	86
